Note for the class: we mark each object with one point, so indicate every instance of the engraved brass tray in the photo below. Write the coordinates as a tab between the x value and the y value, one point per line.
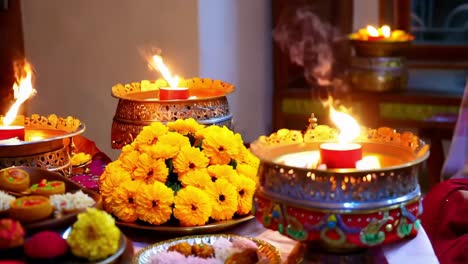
48	143
138	107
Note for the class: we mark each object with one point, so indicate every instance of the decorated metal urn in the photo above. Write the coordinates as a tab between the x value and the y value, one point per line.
163	100
320	189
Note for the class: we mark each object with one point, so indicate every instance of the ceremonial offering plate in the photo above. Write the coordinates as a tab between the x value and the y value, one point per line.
111	259
190	230
47	143
342	210
36	175
267	252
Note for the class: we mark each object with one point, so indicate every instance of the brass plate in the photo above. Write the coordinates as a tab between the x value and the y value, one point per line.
111	259
191	230
268	253
36	175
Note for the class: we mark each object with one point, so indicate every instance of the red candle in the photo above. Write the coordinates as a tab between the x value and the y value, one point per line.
7	132
171	93
340	155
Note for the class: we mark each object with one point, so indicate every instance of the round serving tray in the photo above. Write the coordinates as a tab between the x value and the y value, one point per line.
267	252
190	230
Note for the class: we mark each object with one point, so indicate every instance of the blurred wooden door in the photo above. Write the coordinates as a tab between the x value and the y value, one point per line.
11	48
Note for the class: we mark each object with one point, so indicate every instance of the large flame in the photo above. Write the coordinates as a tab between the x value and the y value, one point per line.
22	90
159	65
348	126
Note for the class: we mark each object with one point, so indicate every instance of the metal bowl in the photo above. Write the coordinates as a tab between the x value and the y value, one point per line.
137	108
341	209
381	48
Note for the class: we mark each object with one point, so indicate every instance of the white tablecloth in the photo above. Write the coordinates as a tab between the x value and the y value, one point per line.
416	250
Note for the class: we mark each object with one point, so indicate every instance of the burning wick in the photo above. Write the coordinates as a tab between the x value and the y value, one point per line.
342	154
23	90
384	32
172	92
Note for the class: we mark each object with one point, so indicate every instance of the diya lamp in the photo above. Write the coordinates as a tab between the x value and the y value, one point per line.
344	153
173	92
13	125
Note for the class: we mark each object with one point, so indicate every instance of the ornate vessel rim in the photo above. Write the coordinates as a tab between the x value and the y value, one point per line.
367	207
81	128
152	100
257	143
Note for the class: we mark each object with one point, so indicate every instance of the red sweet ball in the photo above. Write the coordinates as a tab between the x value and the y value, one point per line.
45	245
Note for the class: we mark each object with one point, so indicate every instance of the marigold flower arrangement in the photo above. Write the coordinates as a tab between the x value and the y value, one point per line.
181	172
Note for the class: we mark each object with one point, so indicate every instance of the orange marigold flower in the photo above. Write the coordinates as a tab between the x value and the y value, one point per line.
175	139
224	196
163	151
245	191
219	144
129	160
124	201
185	126
192	206
198	178
154	203
150	134
150	170
107	184
247	170
189	158
221	171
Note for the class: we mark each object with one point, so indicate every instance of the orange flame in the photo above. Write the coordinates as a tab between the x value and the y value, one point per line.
22	90
348	126
159	65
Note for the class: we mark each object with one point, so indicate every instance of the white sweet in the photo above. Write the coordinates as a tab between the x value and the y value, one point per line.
5	201
71	201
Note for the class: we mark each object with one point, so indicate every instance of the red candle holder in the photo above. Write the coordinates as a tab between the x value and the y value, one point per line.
340	155
173	93
7	132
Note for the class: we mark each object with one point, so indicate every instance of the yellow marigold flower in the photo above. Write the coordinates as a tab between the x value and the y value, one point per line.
189	158
110	183
150	134
192	206
110	168
123	201
219	144
248	157
245	191
174	139
154	203
185	126
198	178
221	171
129	160
163	151
247	170
94	235
224	196
150	170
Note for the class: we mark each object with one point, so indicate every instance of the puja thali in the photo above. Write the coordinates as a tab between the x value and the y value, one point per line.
48	143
